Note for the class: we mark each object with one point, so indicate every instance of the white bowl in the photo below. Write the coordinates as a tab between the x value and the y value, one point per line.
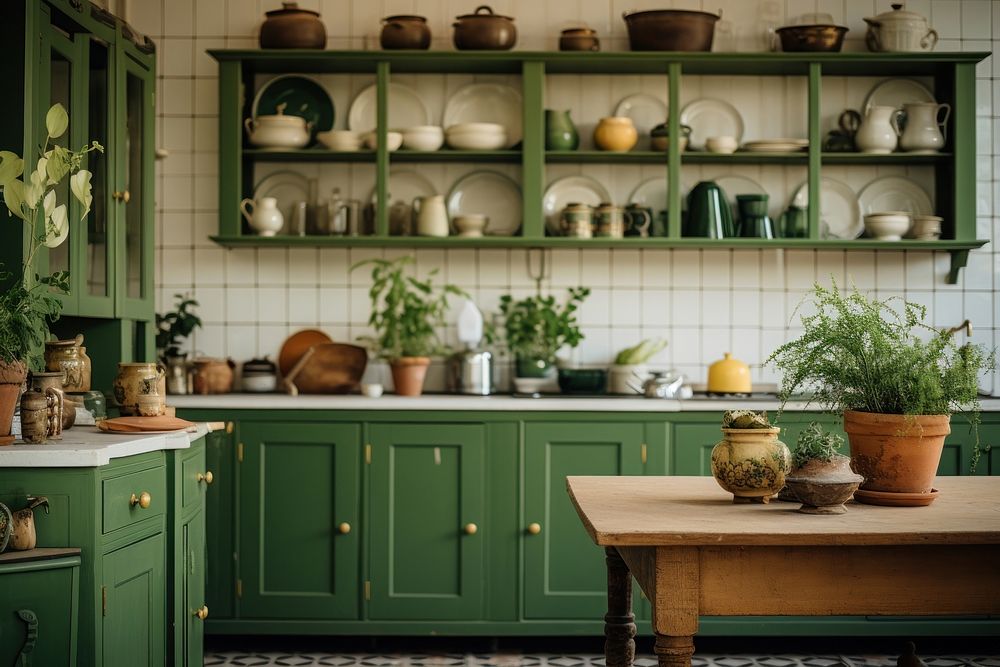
472	141
393	140
925	227
470	226
478	128
721	144
888	225
372	390
423	138
340	140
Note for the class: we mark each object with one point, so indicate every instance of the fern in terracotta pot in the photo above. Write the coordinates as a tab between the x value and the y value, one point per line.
894	379
407	314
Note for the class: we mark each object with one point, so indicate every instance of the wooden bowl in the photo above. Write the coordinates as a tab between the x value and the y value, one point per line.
297	345
328	368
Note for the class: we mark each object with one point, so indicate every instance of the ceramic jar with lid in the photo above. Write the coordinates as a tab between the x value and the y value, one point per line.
212	376
405	32
139	379
259	375
579	39
616	133
900	30
484	31
278	130
729	376
292	27
69	357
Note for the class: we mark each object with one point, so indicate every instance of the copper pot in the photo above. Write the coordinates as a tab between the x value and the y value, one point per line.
405	32
579	39
484	31
795	38
670	30
292	28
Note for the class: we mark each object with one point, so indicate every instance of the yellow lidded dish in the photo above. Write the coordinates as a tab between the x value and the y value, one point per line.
729	376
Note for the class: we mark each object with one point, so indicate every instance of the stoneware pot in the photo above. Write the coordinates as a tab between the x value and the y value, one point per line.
405	32
12	376
615	133
484	31
900	30
69	357
38	414
751	463
823	486
292	27
670	30
139	379
560	133
896	453
51	383
212	376
579	39
278	130
408	375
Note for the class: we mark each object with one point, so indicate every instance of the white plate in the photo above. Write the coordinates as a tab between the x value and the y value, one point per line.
897	92
840	210
570	190
733	184
492	194
895	193
711	118
646	111
288	187
406	109
776	145
487	103
653	193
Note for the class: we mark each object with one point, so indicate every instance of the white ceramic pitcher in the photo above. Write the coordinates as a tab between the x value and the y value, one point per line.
263	216
924	131
432	216
879	131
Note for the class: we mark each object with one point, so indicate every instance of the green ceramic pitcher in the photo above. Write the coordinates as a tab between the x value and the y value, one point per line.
709	214
560	133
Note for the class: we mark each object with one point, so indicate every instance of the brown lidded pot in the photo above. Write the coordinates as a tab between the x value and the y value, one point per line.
292	27
405	32
579	39
484	31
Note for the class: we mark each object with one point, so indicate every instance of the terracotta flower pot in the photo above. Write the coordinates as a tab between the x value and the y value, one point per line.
896	453
12	376
408	374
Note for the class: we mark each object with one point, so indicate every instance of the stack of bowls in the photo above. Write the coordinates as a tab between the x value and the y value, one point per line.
476	136
887	225
340	140
393	140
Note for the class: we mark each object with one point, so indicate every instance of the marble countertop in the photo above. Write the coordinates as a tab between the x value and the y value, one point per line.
86	447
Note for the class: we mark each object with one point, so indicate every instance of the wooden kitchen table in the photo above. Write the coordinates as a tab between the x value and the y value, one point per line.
695	553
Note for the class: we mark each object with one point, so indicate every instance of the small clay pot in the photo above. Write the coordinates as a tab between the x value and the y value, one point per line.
405	32
823	486
408	375
579	39
292	27
484	31
896	453
12	376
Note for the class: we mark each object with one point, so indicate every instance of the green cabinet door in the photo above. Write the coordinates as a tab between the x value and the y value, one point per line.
564	575
220	515
427	521
134	586
298	484
194	591
693	445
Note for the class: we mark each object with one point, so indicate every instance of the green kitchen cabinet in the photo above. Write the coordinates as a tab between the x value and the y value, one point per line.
426	521
220	513
192	609
299	538
133	604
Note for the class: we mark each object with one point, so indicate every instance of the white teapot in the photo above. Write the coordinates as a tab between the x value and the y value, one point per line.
900	30
263	216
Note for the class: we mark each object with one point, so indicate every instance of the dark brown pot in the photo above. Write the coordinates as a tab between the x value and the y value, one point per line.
579	39
292	28
823	486
801	38
405	32
408	375
670	30
896	453
484	31
12	376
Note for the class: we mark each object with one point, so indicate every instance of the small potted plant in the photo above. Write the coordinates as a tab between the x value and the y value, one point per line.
537	328
28	301
895	381
750	462
174	327
821	477
407	314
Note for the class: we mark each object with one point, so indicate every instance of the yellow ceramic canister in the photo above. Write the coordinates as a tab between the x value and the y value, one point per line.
751	463
615	133
69	357
139	379
729	376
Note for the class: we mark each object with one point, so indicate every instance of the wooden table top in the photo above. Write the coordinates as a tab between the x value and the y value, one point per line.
696	511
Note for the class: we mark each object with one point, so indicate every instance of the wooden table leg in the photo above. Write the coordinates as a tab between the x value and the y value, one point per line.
673	651
619	622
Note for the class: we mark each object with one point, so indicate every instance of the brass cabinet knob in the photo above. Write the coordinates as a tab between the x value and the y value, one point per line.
344	528
534	528
142	500
471	529
123	196
207	477
202	613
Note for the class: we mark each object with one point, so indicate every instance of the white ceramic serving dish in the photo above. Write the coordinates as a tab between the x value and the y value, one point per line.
393	140
340	140
471	225
423	138
887	225
277	131
476	136
925	227
723	144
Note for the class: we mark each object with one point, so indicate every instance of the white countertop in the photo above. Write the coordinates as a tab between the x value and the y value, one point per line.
86	447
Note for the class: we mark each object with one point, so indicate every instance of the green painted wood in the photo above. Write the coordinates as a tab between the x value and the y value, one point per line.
745	157
133	623
186	553
382	151
427	484
963	143
815	148
605	157
297	484
503	544
891	158
564	576
50	589
674	194
221	512
117	491
230	142
533	152
194	561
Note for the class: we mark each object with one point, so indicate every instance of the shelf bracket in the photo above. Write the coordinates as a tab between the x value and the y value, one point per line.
959	260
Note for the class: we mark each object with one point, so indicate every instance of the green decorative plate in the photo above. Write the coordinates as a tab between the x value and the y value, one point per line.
303	97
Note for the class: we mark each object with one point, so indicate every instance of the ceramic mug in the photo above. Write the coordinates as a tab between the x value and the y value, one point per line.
638	220
577	221
609	221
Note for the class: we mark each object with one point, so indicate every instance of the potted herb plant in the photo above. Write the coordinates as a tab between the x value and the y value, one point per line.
28	301
537	328
821	477
175	326
407	314
895	380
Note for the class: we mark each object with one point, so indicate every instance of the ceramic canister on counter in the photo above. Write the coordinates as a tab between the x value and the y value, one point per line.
69	357
139	379
52	382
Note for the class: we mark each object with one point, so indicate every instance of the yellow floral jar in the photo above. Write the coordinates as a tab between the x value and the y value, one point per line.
751	463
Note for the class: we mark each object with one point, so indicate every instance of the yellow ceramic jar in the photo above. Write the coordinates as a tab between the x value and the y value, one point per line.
729	376
69	357
751	463
135	380
615	133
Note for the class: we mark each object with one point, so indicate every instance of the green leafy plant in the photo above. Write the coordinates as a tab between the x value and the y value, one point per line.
537	327
28	303
175	326
641	353
406	312
816	444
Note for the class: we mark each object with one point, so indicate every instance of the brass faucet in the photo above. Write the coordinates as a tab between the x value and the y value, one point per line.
967	325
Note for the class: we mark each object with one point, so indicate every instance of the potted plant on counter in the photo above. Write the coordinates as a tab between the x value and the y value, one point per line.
821	477
537	328
629	372
28	301
895	380
407	314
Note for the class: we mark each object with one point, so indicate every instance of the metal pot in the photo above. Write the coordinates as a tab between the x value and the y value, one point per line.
797	38
405	32
484	31
471	372
292	28
670	30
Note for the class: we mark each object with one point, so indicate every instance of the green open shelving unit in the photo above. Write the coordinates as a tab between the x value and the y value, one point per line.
953	75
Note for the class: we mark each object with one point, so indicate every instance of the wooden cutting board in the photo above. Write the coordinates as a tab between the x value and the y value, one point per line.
144	424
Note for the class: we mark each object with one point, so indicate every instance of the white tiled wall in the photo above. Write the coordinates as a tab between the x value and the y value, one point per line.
705	302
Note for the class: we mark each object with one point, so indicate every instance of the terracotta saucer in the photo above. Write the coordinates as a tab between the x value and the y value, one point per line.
297	345
889	499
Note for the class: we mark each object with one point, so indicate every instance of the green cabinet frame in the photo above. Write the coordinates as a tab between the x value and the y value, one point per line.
134	604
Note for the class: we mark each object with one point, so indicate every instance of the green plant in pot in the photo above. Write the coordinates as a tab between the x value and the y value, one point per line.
821	477
894	379
28	301
174	327
537	327
407	314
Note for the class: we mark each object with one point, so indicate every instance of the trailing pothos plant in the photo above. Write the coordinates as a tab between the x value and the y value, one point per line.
407	312
175	326
537	326
29	303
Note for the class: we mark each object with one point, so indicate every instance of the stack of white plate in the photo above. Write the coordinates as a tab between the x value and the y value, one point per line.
776	145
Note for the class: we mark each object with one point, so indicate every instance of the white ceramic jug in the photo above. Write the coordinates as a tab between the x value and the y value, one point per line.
432	217
263	216
879	131
924	131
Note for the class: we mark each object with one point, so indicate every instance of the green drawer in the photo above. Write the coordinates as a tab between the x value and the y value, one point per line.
119	508
192	489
